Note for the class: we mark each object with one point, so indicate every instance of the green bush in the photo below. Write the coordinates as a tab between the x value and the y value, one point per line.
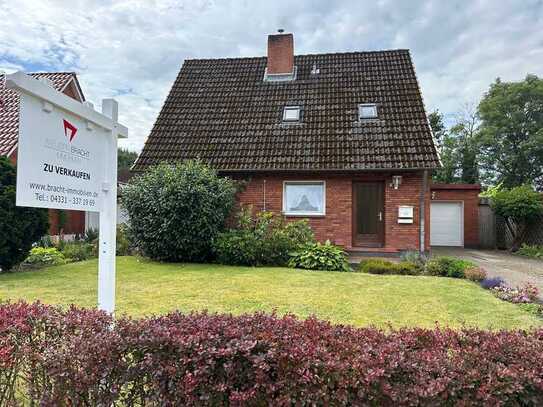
261	240
78	251
123	243
237	247
518	206
445	266
91	235
177	211
41	256
317	256
534	251
20	226
380	266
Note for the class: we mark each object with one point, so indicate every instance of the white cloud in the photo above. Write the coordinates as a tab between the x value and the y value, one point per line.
132	50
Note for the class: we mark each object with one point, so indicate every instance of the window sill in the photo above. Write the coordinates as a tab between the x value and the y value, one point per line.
304	215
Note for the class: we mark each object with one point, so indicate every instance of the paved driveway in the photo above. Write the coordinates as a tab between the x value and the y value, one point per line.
515	270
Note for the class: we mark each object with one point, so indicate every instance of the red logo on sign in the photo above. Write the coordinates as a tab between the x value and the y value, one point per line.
69	130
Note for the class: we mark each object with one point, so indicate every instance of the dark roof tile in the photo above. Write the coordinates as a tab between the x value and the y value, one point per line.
222	112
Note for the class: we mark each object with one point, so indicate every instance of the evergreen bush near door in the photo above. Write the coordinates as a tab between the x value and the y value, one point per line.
265	239
20	227
176	211
51	356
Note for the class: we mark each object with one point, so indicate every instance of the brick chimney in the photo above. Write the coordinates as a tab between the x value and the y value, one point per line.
280	54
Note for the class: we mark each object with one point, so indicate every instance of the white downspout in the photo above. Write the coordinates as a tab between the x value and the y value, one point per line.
264	193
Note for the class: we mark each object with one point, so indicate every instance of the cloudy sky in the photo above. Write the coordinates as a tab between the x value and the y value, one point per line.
132	50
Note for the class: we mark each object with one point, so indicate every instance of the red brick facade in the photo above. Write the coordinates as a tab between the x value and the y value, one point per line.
469	195
265	192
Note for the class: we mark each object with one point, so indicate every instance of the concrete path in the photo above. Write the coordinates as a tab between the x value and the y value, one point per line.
515	270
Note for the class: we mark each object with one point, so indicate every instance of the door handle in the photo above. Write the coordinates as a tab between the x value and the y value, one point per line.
380	216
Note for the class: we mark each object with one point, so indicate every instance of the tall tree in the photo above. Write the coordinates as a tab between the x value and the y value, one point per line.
511	136
466	131
446	145
125	159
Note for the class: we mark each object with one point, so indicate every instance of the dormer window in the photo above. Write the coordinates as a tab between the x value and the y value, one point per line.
367	111
291	114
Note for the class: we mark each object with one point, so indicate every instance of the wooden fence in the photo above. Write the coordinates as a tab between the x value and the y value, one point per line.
494	234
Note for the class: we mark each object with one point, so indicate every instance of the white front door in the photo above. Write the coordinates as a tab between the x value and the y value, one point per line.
446	224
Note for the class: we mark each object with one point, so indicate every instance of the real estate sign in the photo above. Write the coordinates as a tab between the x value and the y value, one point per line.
60	158
67	159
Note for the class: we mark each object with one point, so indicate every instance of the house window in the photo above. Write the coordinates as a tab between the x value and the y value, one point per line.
291	114
367	111
304	198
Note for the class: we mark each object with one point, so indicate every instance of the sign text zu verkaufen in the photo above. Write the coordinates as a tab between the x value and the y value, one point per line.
66	170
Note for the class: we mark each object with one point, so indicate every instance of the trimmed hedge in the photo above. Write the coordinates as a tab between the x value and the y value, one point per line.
381	266
78	357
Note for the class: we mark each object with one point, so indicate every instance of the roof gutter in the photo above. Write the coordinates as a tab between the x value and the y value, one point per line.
349	170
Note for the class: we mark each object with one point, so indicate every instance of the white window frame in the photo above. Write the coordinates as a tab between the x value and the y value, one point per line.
292	107
363	105
306	182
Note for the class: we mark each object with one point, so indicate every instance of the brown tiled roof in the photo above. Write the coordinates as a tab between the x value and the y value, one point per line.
222	112
9	108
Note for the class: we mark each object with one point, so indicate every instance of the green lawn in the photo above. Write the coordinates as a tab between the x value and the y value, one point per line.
145	287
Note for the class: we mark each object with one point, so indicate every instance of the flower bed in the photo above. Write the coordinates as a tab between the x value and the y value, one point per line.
78	357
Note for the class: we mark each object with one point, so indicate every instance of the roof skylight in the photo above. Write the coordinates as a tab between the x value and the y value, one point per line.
291	114
367	111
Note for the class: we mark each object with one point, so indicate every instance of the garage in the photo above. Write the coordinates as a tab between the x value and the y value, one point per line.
446	224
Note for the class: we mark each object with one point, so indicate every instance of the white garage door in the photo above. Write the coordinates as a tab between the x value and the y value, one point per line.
446	224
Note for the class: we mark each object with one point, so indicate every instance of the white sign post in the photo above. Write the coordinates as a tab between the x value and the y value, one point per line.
67	159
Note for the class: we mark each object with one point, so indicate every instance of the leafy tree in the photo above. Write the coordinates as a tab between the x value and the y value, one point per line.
518	206
176	211
438	127
465	131
511	137
457	146
125	159
19	226
446	147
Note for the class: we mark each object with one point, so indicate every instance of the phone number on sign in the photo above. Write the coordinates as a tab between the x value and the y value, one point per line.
63	199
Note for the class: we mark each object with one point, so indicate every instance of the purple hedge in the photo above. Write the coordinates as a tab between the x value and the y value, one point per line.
50	356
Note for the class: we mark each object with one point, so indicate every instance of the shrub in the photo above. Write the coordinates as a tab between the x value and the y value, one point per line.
176	211
380	266
524	294
78	251
447	267
490	283
518	206
91	235
261	240
20	226
318	256
41	256
123	244
415	257
531	251
50	356
475	273
237	247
